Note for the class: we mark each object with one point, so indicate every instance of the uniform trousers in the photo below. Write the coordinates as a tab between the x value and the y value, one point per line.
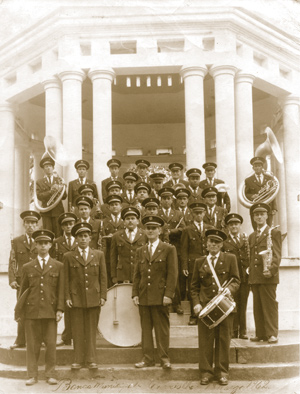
84	329
189	278
177	296
66	335
51	223
241	299
214	345
20	340
265	309
157	317
38	331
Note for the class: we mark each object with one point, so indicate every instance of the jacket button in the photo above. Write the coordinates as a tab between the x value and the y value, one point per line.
42	277
42	291
148	284
214	291
85	268
149	277
86	274
42	284
86	288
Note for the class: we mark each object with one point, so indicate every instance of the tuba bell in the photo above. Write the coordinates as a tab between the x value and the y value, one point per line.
268	193
56	151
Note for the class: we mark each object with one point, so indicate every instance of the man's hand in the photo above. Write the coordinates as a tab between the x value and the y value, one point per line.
59	315
114	280
136	300
69	303
102	302
14	285
197	309
54	187
185	273
167	301
267	274
226	291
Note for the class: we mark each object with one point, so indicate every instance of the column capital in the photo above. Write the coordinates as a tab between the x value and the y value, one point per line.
191	71
75	75
220	69
101	73
6	107
241	76
288	100
51	82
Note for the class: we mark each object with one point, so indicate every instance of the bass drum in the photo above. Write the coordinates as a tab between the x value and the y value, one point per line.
119	321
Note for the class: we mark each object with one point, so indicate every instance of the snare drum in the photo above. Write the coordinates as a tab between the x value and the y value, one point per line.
216	310
119	321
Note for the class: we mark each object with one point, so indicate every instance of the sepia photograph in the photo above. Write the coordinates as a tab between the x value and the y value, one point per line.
150	199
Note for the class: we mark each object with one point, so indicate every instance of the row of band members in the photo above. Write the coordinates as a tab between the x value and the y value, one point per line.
125	263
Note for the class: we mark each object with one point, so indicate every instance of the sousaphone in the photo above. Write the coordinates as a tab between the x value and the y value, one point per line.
267	193
56	151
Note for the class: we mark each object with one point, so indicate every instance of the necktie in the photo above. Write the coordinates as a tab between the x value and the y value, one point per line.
151	250
69	241
236	240
43	263
167	213
84	254
213	261
257	234
49	179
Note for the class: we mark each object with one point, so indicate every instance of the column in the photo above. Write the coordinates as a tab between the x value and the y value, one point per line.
243	136
53	113
7	170
193	77
225	127
72	119
292	164
102	121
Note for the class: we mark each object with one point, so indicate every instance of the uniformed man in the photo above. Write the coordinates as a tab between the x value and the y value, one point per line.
43	280
176	171
174	222
130	180
114	168
193	246
193	175
223	200
124	244
151	207
214	343
85	294
46	188
142	191
214	215
62	245
85	206
264	274
111	224
112	187
23	250
182	199
82	167
237	243
157	183
257	181
142	167
90	192
154	282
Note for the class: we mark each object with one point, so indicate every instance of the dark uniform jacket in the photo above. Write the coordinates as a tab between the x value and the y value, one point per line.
193	245
60	247
73	190
187	216
256	262
204	287
145	179
123	254
46	289
96	232
104	184
171	183
217	218
205	184
240	251
23	254
175	224
252	187
195	195
108	229
44	193
156	277
127	202
85	282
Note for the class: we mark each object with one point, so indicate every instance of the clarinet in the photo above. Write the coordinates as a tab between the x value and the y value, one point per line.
13	256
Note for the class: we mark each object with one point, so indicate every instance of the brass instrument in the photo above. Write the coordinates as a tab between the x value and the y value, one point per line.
56	251
12	257
267	254
222	190
268	193
57	153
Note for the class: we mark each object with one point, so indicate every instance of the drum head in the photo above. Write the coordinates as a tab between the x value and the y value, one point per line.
119	321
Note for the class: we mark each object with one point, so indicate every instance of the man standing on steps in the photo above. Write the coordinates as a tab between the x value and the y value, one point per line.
154	282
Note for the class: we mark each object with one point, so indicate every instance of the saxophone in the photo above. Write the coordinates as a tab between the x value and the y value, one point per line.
267	255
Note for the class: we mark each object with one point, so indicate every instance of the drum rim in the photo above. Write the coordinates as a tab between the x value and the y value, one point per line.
221	296
223	317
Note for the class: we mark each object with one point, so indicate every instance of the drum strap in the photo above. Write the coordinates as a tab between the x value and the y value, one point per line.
214	273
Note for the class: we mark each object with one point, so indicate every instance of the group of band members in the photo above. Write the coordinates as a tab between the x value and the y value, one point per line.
165	238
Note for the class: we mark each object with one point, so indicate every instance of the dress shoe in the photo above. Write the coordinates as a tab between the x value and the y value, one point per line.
243	336
92	366
179	310
51	381
223	381
258	339
143	364
63	343
192	321
31	381
17	346
272	339
204	381
76	366
166	365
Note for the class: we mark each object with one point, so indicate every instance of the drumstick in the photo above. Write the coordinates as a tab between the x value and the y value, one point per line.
226	283
116	322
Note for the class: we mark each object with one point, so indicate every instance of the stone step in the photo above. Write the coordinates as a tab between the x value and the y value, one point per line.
184	331
179	320
183	372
